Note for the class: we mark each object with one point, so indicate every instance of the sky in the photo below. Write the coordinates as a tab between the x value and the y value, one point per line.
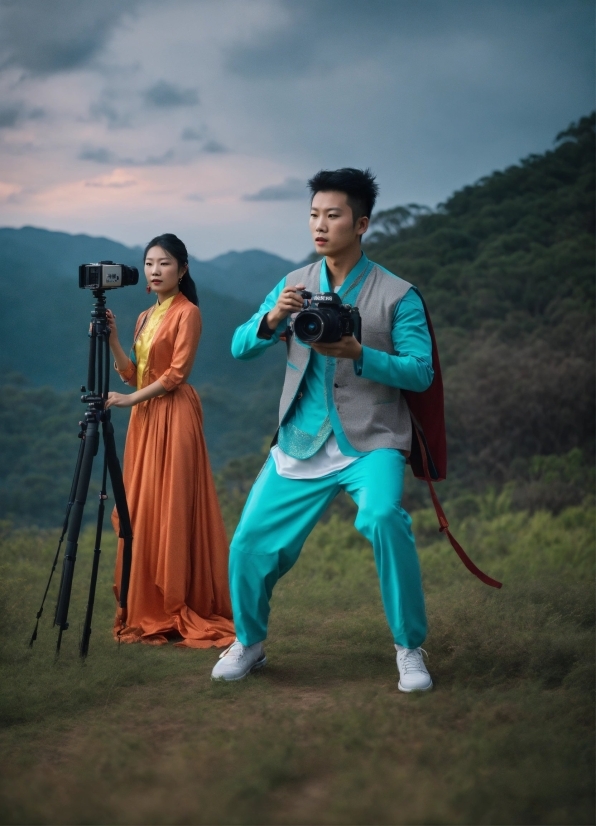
129	118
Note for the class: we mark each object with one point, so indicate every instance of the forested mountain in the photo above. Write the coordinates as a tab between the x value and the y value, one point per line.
506	267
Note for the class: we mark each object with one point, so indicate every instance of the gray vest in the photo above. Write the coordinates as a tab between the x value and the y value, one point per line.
373	415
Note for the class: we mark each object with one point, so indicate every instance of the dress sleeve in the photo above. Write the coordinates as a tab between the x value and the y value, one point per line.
185	348
129	374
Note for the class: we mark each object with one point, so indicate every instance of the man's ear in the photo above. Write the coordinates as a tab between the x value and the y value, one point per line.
362	225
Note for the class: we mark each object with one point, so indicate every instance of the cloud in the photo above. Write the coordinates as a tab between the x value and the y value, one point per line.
116	180
45	37
155	160
7	191
106	110
292	189
214	146
307	29
12	114
167	95
99	154
312	36
189	134
194	196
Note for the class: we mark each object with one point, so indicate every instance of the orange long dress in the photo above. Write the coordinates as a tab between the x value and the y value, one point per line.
179	576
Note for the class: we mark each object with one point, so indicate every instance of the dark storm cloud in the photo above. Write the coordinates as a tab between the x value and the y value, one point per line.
292	189
297	44
167	95
48	36
322	34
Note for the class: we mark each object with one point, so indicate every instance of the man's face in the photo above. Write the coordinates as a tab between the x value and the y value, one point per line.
332	223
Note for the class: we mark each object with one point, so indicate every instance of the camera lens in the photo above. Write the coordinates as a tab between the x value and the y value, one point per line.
308	326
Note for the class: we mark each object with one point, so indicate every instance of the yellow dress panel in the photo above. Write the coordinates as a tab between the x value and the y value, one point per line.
143	343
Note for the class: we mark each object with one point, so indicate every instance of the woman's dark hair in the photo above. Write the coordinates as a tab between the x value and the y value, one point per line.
172	244
359	185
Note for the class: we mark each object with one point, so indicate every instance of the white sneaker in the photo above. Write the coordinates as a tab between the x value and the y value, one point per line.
239	660
413	674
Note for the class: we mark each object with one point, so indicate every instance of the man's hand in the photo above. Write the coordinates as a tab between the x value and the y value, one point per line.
290	301
348	348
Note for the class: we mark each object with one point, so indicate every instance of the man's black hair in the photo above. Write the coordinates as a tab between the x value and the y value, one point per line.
359	185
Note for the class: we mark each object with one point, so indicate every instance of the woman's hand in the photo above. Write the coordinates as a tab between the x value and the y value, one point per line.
112	325
120	400
290	301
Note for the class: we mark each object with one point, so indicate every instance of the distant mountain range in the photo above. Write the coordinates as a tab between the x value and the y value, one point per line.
43	315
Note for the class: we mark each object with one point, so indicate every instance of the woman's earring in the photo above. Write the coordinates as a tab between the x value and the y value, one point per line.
147	289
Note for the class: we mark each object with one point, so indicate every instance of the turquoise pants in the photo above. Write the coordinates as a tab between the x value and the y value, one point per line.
279	515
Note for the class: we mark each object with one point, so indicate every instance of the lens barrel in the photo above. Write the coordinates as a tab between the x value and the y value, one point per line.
318	324
309	326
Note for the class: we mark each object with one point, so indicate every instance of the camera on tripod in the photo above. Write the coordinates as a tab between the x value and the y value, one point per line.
106	275
326	319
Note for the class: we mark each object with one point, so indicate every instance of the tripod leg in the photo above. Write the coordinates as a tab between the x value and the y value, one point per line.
122	508
91	365
76	516
96	554
73	488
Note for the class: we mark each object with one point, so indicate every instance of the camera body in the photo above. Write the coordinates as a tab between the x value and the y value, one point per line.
326	319
106	275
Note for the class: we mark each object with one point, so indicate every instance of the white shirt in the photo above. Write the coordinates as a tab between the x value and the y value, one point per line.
328	459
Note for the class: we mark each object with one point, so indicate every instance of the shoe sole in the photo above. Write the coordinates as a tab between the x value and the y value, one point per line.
259	664
411	690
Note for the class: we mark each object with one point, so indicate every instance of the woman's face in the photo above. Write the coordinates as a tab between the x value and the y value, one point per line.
163	273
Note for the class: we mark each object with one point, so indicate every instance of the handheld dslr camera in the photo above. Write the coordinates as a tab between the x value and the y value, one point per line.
326	319
106	275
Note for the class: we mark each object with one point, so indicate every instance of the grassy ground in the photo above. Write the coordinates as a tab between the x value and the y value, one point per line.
139	735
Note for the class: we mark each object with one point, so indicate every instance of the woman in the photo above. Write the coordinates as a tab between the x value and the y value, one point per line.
179	577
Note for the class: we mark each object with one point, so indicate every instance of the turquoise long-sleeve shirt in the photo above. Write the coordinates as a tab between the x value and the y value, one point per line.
409	369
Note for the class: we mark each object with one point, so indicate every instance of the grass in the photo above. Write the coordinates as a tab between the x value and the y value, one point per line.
139	734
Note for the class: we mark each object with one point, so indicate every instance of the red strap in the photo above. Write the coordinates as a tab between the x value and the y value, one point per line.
444	524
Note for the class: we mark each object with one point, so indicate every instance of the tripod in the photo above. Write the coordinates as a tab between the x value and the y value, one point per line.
96	414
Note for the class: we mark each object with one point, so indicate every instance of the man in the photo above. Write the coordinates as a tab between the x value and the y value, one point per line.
344	425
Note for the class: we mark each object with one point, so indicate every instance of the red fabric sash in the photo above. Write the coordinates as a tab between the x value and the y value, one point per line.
427	410
444	524
430	446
